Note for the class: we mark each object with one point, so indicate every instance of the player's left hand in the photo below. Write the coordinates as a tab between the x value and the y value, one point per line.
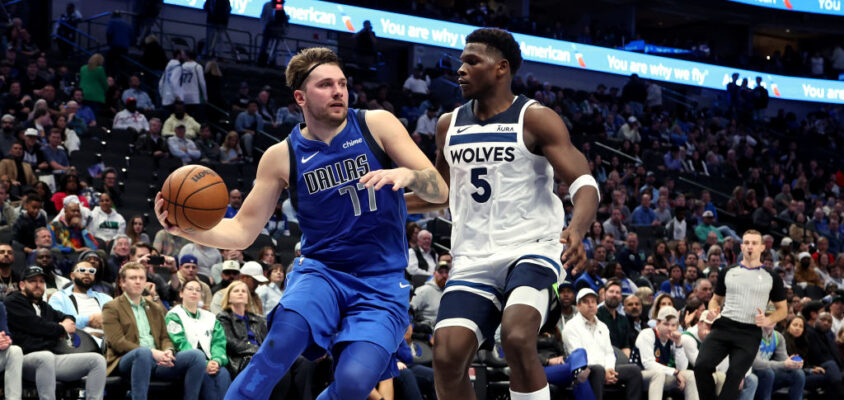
398	177
575	255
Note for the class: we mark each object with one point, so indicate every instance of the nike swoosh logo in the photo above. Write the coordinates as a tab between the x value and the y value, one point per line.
304	160
404	286
459	130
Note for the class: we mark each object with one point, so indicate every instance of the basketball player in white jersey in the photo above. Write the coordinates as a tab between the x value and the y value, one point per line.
501	153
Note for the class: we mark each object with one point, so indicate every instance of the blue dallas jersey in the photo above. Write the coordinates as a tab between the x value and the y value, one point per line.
344	225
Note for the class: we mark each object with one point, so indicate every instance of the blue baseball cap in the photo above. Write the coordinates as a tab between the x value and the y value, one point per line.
188	259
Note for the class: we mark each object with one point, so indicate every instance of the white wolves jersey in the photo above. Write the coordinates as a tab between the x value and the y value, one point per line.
192	82
169	86
502	195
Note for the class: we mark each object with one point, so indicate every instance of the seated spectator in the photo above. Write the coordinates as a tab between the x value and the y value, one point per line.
32	153
643	215
8	213
70	140
106	223
797	342
109	185
179	117
230	152
635	316
37	328
162	280
422	258
82	111
266	107
120	252
151	143
192	328
289	116
69	233
245	330
130	118
11	359
74	121
425	302
806	271
252	275
81	301
144	102
247	124
614	271
585	331
615	226
69	187
229	272
167	243
235	201
135	230
271	293
661	360
776	369
9	277
183	148
55	155
589	278
53	279
610	314
187	271
19	171
417	83
630	131
97	261
139	346
206	257
207	145
23	231
630	257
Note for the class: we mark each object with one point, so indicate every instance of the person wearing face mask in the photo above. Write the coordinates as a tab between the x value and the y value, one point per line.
130	118
180	117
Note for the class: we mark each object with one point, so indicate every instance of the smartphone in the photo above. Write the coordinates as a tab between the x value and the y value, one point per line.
156	260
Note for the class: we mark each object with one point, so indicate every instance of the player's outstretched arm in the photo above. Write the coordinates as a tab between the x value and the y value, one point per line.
239	232
552	137
414	203
414	171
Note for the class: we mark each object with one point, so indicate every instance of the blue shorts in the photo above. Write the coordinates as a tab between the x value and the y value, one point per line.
341	307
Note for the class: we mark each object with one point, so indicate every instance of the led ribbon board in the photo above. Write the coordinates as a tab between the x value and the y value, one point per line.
831	7
430	32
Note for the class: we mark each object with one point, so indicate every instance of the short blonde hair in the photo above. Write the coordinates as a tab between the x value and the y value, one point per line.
225	304
131	265
301	65
95	61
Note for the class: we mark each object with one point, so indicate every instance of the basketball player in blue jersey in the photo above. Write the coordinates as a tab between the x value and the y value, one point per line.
347	293
501	153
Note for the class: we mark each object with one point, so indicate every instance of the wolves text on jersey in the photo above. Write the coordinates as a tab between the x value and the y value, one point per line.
333	175
483	154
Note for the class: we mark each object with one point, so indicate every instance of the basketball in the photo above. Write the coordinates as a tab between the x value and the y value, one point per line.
195	198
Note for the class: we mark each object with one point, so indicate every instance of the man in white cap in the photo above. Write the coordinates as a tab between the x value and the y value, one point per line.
32	151
630	130
662	352
586	331
707	225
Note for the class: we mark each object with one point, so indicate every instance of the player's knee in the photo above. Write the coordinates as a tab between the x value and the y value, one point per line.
355	382
518	339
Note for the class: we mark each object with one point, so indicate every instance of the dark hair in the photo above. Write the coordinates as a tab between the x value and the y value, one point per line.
502	41
614	282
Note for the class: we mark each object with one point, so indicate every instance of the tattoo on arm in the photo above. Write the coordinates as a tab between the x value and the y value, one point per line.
425	184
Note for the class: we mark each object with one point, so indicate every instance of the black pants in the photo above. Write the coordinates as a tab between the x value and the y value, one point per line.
628	374
727	338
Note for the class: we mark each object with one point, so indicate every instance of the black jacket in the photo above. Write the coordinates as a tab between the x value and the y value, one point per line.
238	348
822	347
29	331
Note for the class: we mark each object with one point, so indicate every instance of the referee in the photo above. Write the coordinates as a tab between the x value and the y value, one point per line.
743	290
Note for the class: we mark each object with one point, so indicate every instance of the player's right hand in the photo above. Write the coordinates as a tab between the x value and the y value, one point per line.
161	214
575	255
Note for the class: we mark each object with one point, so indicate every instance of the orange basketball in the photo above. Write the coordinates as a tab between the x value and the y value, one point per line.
195	198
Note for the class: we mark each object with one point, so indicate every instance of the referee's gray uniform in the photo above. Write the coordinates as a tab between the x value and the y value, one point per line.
735	333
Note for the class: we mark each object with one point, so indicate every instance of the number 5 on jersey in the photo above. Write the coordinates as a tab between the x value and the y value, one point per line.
350	190
484	189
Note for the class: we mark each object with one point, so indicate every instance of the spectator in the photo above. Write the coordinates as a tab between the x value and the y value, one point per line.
266	107
634	312
630	257
417	83
243	98
8	213
426	299
95	258
422	258
192	328
23	231
245	330
44	258
289	116
187	272
229	272
143	101
206	257
365	42
119	35
169	86
162	280
55	155
69	233
179	117
230	152
109	185
151	143
775	369
183	148
275	23
702	229
765	217
207	145
37	328
135	230
643	215
614	272
585	331
616	322
217	20
130	118
663	211
589	278
615	226
167	243
426	130
630	130
139	346
235	201
797	342
272	292
106	223
659	351
214	84
93	82
32	153
9	277
193	83
247	124
81	301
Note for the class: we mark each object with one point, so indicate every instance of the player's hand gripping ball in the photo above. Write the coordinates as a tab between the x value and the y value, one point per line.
195	198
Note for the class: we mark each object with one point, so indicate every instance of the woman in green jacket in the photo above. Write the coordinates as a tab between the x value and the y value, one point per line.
191	327
93	82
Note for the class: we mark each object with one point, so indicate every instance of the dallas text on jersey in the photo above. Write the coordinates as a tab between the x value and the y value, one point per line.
333	175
